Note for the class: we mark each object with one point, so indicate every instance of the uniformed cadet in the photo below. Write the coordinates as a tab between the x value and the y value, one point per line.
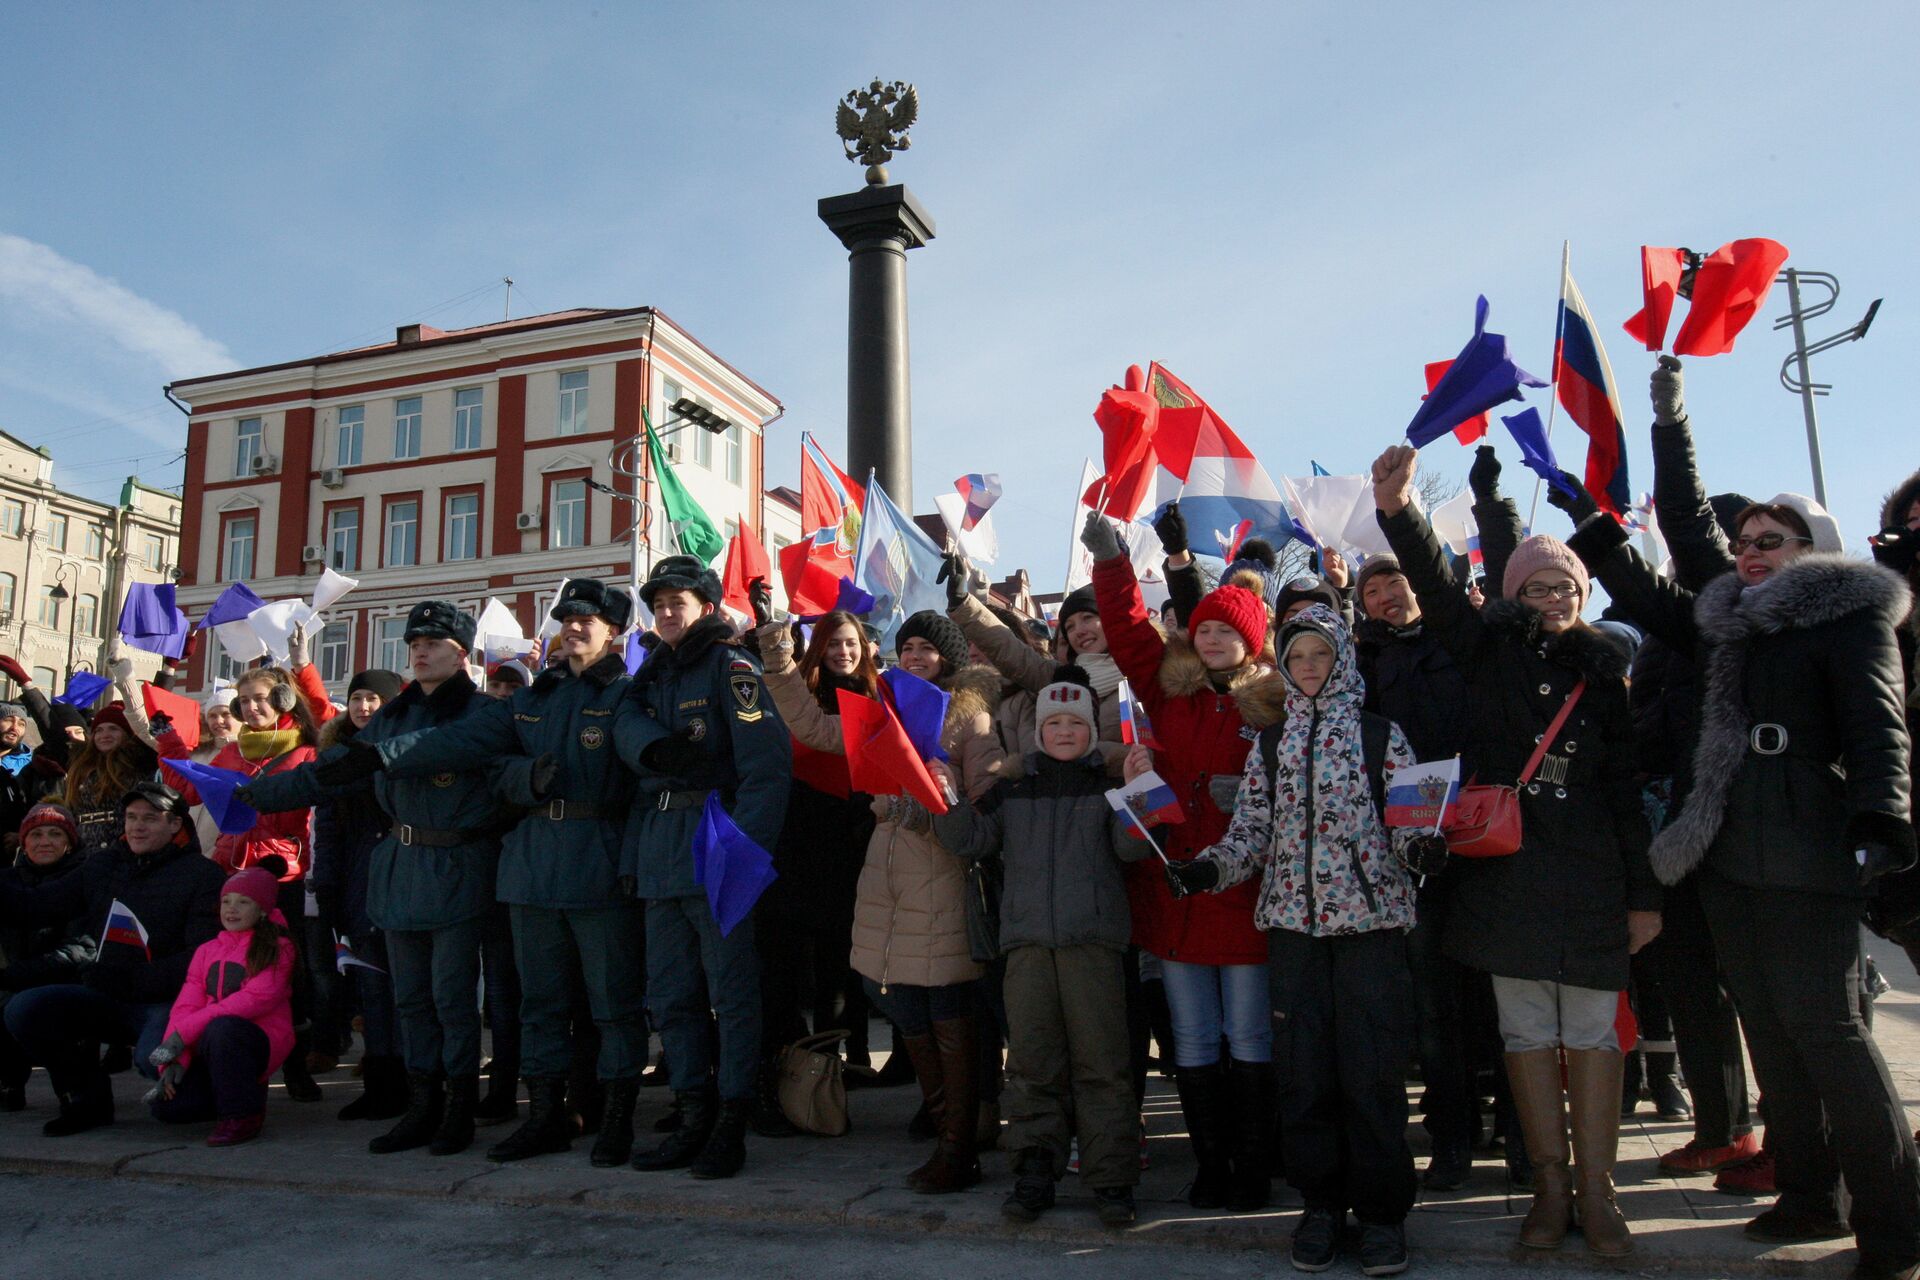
560	868
430	882
712	728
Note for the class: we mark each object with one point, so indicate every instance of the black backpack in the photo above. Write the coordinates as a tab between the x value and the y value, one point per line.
1375	732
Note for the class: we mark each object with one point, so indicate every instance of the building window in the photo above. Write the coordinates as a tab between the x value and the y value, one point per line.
56	531
49	615
45	677
236	552
736	452
403	534
703	447
573	403
155	554
461	541
468	404
349	435
343	539
96	542
9	590
13	516
87	621
247	442
406	427
568	524
389	644
222	666
334	654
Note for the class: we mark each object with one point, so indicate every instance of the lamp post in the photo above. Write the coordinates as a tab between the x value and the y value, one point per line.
1795	373
60	592
629	459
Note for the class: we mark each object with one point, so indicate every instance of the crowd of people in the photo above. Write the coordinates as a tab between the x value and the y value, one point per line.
1697	797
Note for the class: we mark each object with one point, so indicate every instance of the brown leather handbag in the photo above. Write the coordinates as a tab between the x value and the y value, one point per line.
1486	820
813	1094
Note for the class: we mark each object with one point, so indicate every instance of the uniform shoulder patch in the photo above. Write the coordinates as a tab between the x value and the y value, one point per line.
741	664
746	691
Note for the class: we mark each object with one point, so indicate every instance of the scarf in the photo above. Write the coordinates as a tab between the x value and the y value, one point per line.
1102	670
265	744
16	760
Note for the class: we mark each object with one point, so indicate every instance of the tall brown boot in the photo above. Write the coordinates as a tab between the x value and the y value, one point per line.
1593	1088
1535	1079
924	1054
954	1165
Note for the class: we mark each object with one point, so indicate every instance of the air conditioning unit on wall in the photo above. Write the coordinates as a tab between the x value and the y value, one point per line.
311	554
527	521
265	465
333	477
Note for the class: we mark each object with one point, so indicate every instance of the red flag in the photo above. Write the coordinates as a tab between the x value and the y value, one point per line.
813	584
881	760
1127	422
746	560
1660	271
1728	290
1473	428
824	771
184	712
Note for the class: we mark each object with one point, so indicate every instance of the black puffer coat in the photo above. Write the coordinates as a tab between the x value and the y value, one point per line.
345	832
823	841
1557	909
1803	752
40	953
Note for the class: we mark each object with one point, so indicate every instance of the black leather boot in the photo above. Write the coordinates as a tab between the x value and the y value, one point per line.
1253	1090
86	1100
502	1102
426	1104
615	1143
383	1090
1203	1101
698	1110
548	1128
769	1118
726	1148
455	1133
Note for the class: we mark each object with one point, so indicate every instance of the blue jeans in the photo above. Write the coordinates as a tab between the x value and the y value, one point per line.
63	1026
1209	1001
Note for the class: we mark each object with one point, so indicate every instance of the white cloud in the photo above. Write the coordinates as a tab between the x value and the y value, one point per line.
36	277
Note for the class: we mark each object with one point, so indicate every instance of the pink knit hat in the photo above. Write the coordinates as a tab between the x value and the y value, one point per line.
1240	609
1543	551
256	884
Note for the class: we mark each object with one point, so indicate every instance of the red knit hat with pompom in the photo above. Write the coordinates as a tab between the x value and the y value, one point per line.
1240	609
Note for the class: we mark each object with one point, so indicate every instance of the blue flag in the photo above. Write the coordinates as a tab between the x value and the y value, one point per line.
896	564
216	788
1535	450
1481	376
83	689
234	604
729	866
922	708
150	620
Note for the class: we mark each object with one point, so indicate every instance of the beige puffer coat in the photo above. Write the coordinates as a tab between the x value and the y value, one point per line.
909	919
1031	671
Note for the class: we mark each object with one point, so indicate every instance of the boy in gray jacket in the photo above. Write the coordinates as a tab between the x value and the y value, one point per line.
1064	925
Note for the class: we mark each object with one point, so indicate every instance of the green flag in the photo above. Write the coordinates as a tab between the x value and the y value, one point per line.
698	536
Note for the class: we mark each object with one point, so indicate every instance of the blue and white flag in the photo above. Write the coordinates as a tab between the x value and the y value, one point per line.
896	564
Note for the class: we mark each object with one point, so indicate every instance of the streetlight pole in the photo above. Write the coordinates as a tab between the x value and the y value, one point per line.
60	592
628	459
1796	374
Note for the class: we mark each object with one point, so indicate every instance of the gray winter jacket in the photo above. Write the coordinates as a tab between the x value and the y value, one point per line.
1062	845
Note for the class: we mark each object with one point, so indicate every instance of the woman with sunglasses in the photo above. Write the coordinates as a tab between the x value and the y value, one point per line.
1800	802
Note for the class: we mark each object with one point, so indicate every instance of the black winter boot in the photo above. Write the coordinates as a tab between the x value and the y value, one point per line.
726	1148
426	1104
1032	1186
548	1129
301	1086
769	1118
456	1121
1663	1083
86	1101
1203	1101
615	1143
383	1090
697	1118
503	1093
1253	1090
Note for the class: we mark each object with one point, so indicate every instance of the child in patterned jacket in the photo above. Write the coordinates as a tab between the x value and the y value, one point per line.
1336	900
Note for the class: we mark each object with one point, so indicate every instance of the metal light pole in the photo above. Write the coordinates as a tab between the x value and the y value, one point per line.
1795	375
628	459
60	592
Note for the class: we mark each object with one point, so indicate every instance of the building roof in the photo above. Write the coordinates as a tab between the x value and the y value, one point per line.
785	495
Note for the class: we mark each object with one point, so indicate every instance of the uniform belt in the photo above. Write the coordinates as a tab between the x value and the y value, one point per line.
682	799
564	810
427	838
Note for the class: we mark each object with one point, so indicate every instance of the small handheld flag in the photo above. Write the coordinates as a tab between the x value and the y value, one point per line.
1148	798
1421	794
922	709
729	865
83	689
344	959
124	927
980	492
1135	727
1483	375
1535	451
216	789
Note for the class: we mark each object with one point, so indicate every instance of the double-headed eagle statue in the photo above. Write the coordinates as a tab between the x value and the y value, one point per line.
873	123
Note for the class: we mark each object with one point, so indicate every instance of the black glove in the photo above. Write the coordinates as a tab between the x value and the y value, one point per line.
676	754
1877	859
159	722
540	779
330	900
1172	529
1197	876
1580	505
1425	854
1099	537
1669	392
361	761
760	596
956	573
1897	548
1483	477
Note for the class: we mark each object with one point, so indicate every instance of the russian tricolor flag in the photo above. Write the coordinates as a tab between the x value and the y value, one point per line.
1222	484
344	959
124	926
1418	794
1148	798
1584	382
979	492
1134	725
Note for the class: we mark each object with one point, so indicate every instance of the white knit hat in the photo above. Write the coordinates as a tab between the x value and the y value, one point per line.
1065	698
1822	526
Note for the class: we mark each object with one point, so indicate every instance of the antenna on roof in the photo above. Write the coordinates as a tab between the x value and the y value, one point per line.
506	309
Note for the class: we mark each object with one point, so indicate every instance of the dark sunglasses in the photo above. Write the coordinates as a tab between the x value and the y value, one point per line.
1765	542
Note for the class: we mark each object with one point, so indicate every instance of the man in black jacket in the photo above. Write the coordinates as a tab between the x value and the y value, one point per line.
155	872
27	774
40	955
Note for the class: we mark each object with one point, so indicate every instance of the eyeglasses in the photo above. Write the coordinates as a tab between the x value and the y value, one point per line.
1765	542
1546	591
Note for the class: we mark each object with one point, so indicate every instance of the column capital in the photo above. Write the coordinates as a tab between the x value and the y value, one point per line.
870	212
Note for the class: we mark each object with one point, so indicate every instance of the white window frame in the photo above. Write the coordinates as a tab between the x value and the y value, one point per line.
407	414
156	551
452	541
59	528
736	450
570	412
47	613
13	516
334	533
333	650
9	594
249	443
87	621
390	645
96	542
405	527
574	522
350	429
469	419
237	542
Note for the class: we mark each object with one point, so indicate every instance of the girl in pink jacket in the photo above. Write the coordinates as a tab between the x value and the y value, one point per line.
232	1024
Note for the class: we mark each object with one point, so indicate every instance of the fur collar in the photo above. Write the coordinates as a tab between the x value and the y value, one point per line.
703	635
1581	649
445	703
973	690
1810	591
1257	689
599	675
337	731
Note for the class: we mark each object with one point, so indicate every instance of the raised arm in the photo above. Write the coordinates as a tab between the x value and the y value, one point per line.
131	702
1444	607
809	725
1007	653
1136	646
1497	518
1687	522
1656	605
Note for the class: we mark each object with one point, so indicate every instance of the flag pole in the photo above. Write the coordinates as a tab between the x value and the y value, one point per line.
1553	390
1146	835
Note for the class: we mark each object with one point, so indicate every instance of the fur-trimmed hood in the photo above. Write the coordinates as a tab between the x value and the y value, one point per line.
1579	648
972	690
337	731
1257	689
1894	510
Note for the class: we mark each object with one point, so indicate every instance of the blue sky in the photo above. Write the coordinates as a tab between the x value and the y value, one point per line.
1291	206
